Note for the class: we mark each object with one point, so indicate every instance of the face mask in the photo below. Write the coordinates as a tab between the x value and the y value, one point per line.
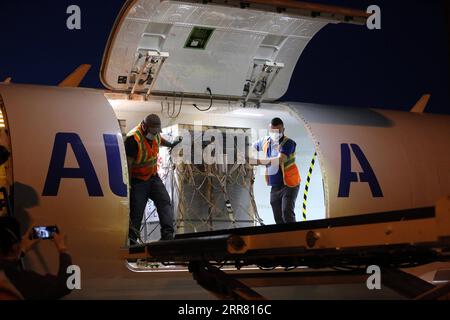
275	136
150	136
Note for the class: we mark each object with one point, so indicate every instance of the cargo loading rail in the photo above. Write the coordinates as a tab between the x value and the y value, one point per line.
343	246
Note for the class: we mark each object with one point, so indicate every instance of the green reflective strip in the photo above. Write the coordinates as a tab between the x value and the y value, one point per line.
144	151
289	162
291	158
151	162
141	146
139	134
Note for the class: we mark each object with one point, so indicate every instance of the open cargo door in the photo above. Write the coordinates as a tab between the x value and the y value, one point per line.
232	49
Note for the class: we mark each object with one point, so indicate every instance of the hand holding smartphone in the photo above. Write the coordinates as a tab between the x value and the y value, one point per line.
43	232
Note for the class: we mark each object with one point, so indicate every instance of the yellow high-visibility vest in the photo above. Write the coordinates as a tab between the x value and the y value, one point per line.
146	162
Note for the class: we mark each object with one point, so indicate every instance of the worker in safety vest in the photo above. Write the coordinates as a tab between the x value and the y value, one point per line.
142	148
281	171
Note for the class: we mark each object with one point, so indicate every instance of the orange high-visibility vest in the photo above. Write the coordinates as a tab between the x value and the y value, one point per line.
291	175
146	162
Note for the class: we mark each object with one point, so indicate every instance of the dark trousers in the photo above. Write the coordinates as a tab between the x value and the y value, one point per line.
282	200
155	190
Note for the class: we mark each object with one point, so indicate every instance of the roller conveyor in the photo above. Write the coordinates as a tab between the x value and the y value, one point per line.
390	240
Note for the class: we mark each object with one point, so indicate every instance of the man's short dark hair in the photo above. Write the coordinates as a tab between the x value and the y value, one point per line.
9	234
276	122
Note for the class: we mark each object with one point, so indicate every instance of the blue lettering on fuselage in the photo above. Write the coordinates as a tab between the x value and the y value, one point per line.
348	176
114	165
85	170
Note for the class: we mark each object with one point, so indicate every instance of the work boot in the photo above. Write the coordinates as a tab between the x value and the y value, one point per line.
165	237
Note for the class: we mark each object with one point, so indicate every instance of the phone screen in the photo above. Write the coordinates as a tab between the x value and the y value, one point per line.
44	232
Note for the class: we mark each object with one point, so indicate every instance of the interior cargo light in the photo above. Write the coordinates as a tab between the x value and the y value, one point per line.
246	113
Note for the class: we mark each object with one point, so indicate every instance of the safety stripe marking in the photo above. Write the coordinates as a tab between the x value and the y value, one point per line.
308	180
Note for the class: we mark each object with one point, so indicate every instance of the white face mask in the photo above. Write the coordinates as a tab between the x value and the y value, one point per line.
275	136
150	136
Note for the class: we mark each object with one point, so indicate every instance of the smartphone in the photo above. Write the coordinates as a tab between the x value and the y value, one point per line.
44	232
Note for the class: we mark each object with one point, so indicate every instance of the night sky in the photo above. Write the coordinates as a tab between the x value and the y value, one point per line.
343	65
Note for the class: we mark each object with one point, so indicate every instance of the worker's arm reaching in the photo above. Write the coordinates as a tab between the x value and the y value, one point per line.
279	160
173	144
267	161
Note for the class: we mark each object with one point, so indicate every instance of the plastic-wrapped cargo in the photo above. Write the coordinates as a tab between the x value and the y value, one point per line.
208	180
